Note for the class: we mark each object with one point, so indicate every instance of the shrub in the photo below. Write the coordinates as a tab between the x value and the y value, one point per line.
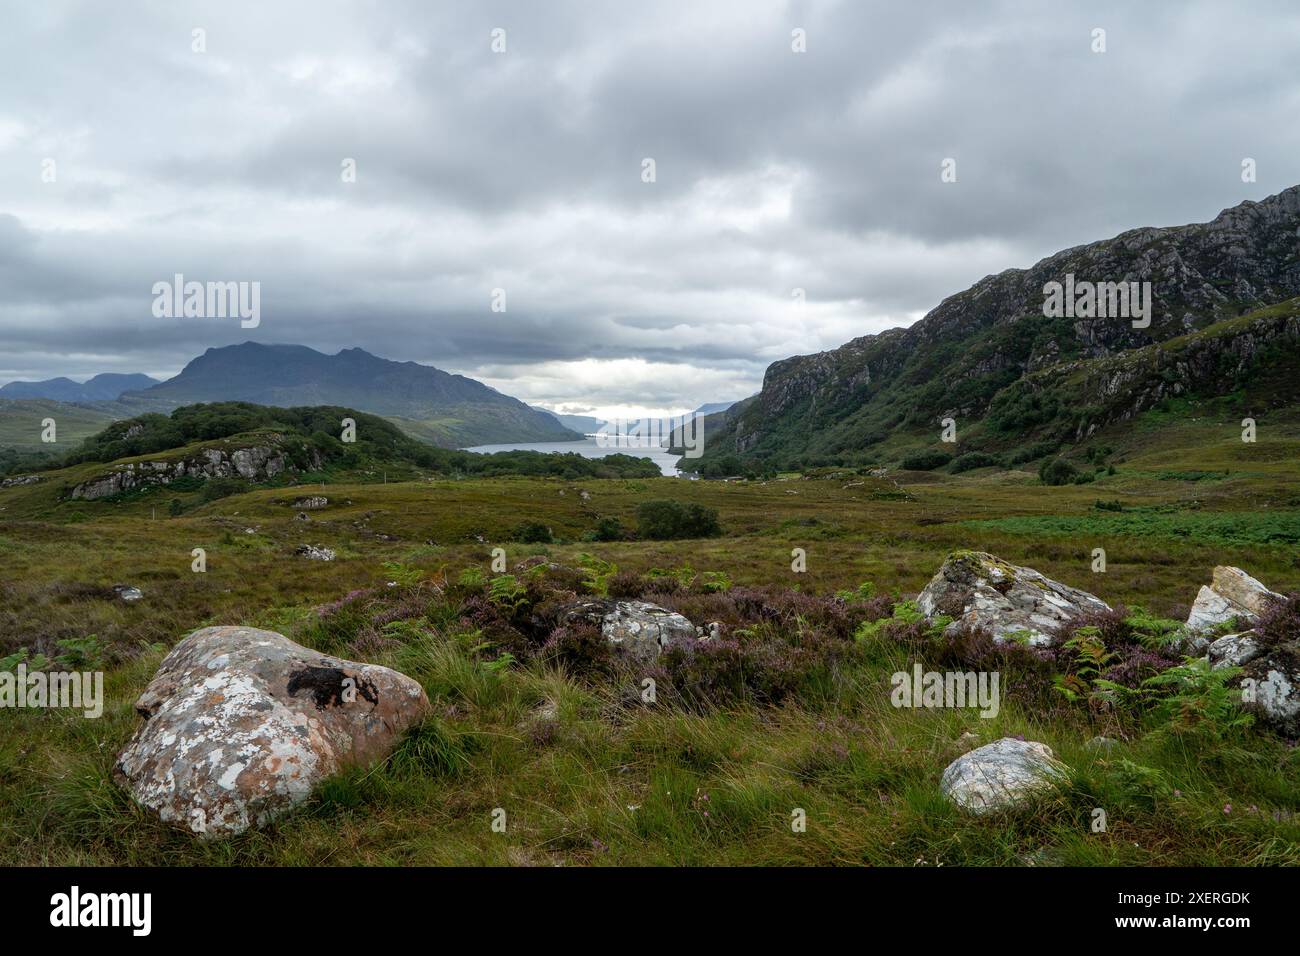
533	532
925	461
1057	472
1280	624
664	520
1032	452
975	459
607	529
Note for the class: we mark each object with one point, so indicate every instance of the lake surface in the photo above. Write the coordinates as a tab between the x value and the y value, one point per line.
588	448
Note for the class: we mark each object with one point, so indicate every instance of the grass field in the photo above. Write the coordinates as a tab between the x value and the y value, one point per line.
586	778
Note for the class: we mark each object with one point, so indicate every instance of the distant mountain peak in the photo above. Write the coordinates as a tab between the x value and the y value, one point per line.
450	409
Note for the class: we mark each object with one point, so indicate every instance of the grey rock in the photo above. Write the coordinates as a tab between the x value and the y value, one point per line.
638	628
127	592
1232	594
314	553
312	503
242	724
1234	650
255	463
1000	775
1276	698
980	590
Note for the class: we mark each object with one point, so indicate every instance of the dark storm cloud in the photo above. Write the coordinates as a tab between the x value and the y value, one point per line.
776	171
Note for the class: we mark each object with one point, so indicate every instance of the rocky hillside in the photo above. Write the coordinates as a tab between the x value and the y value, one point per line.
450	410
992	343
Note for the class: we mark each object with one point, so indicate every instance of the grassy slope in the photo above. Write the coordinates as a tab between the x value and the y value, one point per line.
866	774
20	423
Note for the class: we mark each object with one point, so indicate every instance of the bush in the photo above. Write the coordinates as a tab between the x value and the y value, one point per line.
1057	472
1033	452
533	532
607	529
664	520
975	459
926	461
1280	624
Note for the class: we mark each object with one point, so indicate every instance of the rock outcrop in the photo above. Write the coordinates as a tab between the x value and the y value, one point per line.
993	338
1000	775
242	724
256	463
1270	665
1232	594
980	590
638	628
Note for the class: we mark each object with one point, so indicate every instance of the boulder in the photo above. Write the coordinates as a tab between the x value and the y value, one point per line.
1000	775
241	725
1275	698
1234	650
311	503
640	629
980	590
1231	594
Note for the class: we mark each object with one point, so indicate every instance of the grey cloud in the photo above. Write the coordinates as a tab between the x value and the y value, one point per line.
775	171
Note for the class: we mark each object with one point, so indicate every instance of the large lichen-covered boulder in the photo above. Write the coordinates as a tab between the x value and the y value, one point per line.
1232	594
980	590
640	629
241	724
1000	775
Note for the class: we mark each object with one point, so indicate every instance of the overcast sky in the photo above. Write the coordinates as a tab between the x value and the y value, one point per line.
522	170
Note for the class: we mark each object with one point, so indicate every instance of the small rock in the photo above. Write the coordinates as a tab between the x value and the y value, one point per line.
127	593
1100	743
1000	775
302	516
709	632
314	553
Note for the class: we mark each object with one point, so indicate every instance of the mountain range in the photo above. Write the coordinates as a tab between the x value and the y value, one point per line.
1224	320
102	388
445	409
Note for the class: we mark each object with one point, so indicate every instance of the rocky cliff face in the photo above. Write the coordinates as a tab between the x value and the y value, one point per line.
979	342
256	463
